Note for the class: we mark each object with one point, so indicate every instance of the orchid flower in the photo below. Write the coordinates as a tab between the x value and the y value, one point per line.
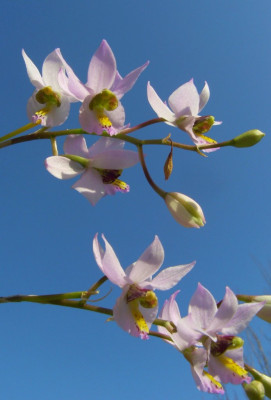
100	166
185	103
207	337
101	109
48	105
137	307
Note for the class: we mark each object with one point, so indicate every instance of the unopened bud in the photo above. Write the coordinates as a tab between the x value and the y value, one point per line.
185	210
254	390
264	379
247	139
168	167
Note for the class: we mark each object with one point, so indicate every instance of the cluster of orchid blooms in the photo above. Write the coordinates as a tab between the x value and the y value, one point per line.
207	336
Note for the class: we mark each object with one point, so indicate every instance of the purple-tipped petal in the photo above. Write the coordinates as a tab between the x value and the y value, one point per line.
148	263
62	167
102	68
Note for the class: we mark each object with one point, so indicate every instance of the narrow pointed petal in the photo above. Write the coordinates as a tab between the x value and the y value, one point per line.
204	96
123	85
202	307
32	72
225	312
102	68
148	263
109	263
50	70
90	185
185	100
160	108
70	84
169	277
76	144
62	167
242	317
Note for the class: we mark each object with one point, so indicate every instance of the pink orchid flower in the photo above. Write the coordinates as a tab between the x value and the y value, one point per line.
137	307
206	336
185	104
99	166
48	105
101	109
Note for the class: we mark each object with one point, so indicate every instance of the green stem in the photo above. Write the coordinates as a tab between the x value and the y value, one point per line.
156	188
42	298
18	131
64	300
93	289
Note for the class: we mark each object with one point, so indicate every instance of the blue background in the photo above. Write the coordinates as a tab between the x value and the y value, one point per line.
46	233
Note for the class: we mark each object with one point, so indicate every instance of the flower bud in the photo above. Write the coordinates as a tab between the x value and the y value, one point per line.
185	210
264	379
247	139
254	390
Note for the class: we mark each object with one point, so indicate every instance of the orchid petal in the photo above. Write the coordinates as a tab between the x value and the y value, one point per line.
91	186
50	70
108	262
102	68
88	119
105	144
76	144
160	108
148	263
204	96
62	167
32	72
225	312
123	85
123	317
241	318
185	100
169	277
115	159
71	85
202	307
117	117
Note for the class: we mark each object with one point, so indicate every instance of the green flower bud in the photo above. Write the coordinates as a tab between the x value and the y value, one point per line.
247	139
264	379
254	390
185	210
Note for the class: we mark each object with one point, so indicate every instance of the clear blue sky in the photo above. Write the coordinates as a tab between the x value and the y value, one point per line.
47	229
